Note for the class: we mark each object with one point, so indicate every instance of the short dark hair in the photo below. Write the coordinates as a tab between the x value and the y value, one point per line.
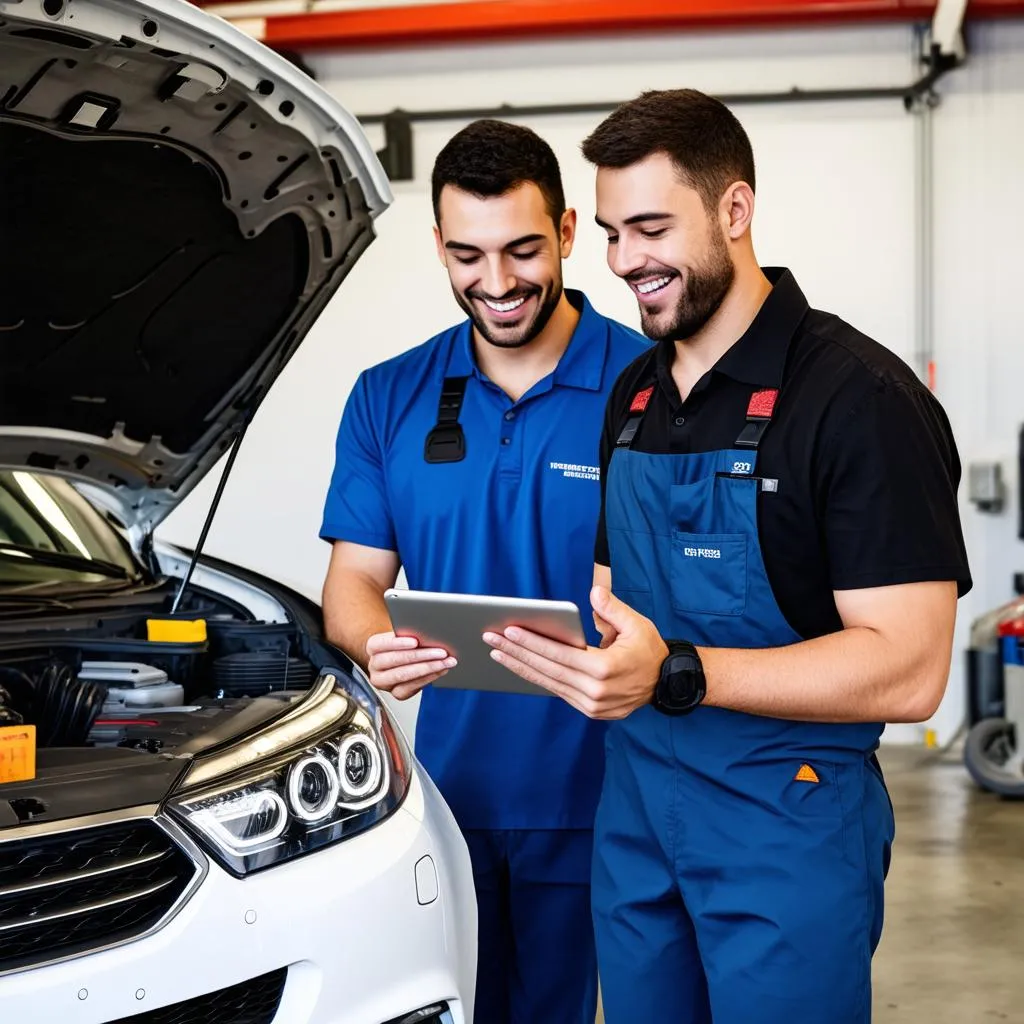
700	134
491	158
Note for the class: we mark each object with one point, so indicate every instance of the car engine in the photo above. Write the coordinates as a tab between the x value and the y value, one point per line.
117	688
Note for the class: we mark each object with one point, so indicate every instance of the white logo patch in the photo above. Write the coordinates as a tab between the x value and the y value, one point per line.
574	471
702	552
742	467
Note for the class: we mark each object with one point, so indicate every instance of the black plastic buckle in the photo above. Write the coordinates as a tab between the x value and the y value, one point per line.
750	436
629	430
445	443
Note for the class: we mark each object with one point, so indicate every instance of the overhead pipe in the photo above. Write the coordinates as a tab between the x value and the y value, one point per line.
477	20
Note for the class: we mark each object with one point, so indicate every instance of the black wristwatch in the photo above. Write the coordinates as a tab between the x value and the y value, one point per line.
681	686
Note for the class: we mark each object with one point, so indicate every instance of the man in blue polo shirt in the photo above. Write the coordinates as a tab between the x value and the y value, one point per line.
513	512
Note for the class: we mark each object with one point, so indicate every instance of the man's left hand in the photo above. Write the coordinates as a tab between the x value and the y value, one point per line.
607	682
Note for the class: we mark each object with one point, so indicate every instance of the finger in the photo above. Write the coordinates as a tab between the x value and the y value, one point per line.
551	670
389	642
613	610
608	632
394	659
406	690
568	693
410	673
551	651
586	695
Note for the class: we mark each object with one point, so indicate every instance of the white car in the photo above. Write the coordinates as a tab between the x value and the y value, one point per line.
222	822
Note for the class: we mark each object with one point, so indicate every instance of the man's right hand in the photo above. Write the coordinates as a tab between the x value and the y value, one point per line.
399	666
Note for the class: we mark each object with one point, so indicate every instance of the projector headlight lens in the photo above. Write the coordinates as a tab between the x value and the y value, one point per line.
313	788
293	803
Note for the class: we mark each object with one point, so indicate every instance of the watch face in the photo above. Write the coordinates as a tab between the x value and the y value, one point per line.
682	676
681	681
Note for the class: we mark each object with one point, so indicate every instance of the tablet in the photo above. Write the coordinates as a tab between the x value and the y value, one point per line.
457	622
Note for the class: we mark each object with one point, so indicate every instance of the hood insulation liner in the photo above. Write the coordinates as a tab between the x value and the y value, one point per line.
129	295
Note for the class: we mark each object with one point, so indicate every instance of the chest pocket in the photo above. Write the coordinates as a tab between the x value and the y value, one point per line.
709	573
707	565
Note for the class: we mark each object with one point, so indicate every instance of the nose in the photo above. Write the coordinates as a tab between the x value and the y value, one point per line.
625	258
498	279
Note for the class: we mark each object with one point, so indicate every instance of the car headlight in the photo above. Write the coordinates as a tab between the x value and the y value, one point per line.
330	768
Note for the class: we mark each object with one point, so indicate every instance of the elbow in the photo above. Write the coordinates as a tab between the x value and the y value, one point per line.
920	697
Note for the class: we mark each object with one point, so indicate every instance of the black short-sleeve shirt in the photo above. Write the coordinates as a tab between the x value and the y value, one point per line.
864	455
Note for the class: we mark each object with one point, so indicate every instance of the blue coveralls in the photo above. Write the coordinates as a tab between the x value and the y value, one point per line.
739	860
515	515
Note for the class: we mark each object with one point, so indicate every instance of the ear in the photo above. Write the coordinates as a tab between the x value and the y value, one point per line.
567	233
736	210
438	241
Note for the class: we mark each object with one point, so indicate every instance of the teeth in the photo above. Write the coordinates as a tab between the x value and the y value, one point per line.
652	286
505	307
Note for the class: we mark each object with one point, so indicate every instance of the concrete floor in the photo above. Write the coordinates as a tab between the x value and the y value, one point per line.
952	950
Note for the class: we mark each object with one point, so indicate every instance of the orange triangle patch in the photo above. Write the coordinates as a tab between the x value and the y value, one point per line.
807	774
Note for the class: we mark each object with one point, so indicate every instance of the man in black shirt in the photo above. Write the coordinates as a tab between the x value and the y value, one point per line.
777	569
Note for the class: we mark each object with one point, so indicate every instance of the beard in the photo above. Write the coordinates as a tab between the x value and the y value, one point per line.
516	334
704	289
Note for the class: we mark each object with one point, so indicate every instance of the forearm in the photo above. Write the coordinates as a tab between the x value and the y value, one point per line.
354	610
855	675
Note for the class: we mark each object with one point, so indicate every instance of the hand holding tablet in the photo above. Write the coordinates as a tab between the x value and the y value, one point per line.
455	624
399	665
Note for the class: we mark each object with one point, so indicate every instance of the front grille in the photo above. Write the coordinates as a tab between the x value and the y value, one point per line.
71	892
252	1002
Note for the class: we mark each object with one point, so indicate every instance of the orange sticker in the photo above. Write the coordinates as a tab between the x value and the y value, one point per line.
17	753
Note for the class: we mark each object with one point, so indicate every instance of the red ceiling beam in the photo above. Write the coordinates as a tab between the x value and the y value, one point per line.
477	20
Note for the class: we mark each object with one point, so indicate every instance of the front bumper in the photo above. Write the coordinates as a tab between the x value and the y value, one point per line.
357	926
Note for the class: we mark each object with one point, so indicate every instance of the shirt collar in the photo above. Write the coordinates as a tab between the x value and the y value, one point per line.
758	358
582	364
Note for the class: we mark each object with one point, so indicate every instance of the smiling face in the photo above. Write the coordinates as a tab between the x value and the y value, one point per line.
663	243
504	260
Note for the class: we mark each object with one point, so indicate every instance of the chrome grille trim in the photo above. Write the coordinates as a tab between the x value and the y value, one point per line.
80	876
86	908
128	816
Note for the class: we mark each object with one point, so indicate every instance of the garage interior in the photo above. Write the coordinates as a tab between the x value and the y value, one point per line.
889	137
913	162
921	251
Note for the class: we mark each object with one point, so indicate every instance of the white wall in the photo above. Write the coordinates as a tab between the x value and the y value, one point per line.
979	223
836	195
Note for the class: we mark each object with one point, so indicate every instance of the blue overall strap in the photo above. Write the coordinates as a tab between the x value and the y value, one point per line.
446	442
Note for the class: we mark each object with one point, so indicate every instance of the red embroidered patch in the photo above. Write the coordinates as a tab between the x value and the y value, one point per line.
641	400
762	404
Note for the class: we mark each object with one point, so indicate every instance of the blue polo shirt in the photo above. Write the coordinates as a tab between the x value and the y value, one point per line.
516	517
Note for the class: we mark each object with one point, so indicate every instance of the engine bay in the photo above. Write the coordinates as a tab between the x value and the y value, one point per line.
114	686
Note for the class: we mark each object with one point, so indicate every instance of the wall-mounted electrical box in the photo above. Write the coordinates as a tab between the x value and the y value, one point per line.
985	486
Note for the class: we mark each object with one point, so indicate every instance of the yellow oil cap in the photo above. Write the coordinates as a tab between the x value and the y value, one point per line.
176	631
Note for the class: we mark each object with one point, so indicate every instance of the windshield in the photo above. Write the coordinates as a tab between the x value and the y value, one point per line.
49	533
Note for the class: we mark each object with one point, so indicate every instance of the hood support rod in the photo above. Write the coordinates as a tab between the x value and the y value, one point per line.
204	533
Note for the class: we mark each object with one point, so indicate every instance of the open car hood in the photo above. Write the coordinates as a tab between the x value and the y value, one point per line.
178	204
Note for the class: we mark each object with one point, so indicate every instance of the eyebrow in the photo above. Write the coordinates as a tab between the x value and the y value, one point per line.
517	243
637	218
